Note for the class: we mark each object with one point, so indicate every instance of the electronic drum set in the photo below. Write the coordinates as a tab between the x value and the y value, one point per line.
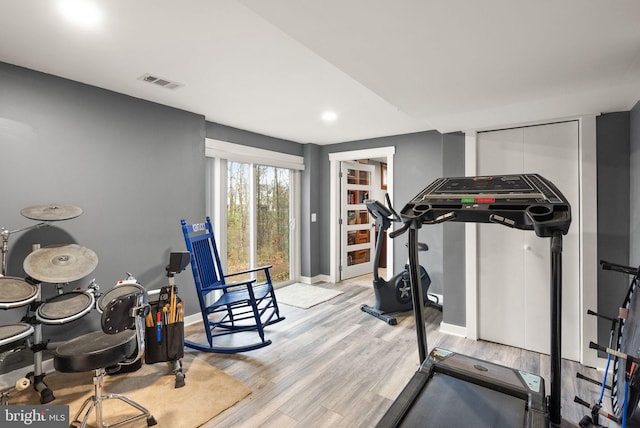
59	265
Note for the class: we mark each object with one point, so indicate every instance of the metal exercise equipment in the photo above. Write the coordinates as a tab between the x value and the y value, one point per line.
455	390
624	338
393	295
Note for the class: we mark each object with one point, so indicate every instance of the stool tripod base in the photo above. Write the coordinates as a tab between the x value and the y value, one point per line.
39	385
95	403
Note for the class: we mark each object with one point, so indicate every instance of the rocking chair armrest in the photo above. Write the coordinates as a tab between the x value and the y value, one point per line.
249	270
247	282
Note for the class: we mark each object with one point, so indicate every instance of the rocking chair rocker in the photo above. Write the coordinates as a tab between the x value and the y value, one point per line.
242	306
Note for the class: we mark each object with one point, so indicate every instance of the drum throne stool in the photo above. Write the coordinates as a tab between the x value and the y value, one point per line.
121	341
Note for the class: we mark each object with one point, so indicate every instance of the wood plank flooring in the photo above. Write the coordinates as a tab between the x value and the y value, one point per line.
335	366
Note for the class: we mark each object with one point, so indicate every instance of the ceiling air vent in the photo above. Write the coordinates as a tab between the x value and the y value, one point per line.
165	83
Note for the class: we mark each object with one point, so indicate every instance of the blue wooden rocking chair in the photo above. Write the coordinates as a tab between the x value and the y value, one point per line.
241	306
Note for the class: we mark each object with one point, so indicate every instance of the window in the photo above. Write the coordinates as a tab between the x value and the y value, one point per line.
254	194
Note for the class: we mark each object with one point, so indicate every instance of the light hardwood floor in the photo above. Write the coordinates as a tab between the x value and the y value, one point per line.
335	366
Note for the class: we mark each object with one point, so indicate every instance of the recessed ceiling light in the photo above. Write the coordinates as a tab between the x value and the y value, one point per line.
81	12
329	116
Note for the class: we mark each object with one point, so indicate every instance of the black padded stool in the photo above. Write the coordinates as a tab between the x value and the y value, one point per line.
121	336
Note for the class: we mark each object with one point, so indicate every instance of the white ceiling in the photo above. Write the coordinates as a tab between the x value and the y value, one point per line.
386	67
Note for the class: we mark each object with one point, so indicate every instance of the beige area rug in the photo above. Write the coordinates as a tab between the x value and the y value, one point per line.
304	295
208	391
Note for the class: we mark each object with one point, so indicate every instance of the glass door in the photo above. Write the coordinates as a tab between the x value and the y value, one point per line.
273	219
238	217
258	219
357	233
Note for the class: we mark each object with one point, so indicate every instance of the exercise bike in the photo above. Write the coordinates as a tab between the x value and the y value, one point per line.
393	295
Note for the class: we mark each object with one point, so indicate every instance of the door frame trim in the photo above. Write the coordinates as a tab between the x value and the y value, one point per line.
588	257
334	201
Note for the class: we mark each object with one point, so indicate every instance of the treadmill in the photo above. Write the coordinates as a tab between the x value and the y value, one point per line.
454	390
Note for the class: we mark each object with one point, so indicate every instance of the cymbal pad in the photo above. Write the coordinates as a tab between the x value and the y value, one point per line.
51	212
60	264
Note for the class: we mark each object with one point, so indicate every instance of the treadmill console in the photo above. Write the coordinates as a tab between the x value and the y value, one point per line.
522	201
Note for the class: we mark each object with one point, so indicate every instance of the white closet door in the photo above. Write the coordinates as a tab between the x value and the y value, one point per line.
552	151
513	266
500	272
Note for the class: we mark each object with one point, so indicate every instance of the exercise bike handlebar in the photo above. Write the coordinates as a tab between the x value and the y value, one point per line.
396	217
400	231
407	224
378	210
382	213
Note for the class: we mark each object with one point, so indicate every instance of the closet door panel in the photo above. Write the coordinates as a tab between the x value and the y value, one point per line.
552	151
500	271
514	266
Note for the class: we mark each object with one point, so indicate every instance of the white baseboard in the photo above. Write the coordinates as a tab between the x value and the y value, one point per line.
192	319
452	329
315	279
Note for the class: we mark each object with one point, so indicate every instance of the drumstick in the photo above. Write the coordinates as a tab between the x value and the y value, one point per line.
175	306
172	307
149	319
180	313
165	311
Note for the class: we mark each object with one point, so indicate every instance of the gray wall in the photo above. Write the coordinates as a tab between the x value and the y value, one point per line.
417	162
612	136
311	233
453	243
634	230
134	167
